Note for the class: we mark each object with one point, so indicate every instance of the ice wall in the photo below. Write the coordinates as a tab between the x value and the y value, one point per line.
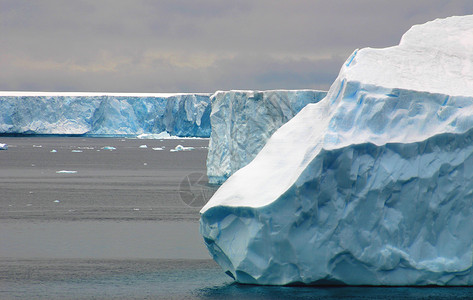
372	185
104	114
242	122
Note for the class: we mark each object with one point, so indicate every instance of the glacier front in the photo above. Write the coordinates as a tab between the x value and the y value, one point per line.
242	122
373	185
104	114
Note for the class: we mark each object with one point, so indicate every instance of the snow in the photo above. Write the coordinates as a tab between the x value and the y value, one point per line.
105	114
90	94
242	122
370	186
434	60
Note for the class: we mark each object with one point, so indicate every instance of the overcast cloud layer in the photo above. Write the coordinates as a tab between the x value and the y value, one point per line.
196	46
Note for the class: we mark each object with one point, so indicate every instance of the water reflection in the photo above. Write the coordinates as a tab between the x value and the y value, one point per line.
239	291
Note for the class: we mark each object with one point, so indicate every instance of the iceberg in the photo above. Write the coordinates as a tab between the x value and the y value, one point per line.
108	114
242	122
373	185
3	146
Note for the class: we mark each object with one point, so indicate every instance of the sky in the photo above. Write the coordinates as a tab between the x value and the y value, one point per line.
196	45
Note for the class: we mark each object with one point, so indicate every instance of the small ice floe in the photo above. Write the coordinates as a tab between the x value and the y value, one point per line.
145	164
109	148
76	151
181	148
143	146
3	146
66	172
156	136
33	165
37	146
158	149
53	151
136	209
56	201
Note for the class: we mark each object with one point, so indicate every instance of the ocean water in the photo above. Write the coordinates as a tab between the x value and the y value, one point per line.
78	221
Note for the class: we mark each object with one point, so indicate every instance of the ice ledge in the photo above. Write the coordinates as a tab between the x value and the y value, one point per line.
91	94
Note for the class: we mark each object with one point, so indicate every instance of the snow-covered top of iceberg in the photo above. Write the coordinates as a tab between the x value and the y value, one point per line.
401	94
89	94
436	57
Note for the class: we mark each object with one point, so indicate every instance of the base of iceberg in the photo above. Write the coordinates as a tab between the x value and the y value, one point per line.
373	185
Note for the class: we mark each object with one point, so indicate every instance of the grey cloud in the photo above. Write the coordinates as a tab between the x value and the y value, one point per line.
187	45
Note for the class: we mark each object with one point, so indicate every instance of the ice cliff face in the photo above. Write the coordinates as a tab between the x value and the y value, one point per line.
242	122
372	185
105	114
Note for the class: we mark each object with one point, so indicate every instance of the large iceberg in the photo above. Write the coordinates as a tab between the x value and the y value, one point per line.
372	185
242	122
106	114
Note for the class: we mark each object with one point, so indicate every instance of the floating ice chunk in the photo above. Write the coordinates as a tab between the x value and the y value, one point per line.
143	146
156	136
37	146
158	149
3	146
53	151
66	172
76	151
181	148
109	148
56	201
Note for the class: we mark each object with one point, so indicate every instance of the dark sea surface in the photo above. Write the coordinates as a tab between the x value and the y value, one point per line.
123	224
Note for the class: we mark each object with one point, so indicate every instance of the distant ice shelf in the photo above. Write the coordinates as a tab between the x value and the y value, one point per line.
105	114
